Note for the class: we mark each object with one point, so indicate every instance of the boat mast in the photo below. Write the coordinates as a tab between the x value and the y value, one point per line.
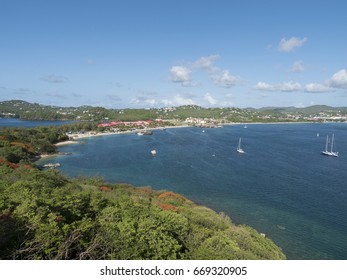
326	144
332	143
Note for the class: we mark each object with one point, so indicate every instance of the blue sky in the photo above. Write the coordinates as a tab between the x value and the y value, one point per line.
156	53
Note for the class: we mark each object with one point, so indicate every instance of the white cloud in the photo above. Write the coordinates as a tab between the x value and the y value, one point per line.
264	86
297	66
54	79
290	44
225	79
220	77
178	100
211	100
180	74
206	63
339	79
289	86
316	88
142	100
284	87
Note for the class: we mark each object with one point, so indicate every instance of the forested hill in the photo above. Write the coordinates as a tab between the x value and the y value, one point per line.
45	215
33	111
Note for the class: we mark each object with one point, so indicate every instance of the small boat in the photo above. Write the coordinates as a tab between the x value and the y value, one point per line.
331	152
245	126
51	165
153	152
203	131
144	132
239	149
317	134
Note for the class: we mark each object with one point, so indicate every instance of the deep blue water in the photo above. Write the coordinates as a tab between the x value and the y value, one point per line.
282	186
11	122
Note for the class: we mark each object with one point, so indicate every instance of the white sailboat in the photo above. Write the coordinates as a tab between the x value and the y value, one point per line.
239	149
331	152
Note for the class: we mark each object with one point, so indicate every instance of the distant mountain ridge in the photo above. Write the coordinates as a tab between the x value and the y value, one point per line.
34	111
313	108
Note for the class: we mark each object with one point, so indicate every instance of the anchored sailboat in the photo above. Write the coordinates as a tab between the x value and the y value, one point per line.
239	149
331	152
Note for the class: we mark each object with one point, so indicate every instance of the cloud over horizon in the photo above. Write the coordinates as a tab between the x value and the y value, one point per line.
283	87
220	77
317	88
156	101
336	82
210	100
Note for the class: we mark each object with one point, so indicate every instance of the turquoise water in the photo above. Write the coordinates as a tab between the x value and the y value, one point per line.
282	186
12	122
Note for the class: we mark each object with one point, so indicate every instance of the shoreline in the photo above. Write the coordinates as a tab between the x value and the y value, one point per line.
76	137
68	142
89	134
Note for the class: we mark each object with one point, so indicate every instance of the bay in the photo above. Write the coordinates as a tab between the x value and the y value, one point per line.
282	186
13	122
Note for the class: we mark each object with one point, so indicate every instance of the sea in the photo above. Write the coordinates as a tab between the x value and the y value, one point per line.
14	122
282	186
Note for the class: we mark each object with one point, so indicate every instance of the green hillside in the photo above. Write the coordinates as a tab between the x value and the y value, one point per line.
33	111
45	215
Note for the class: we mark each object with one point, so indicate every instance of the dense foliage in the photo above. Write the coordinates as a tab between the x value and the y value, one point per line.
25	143
34	111
18	144
44	215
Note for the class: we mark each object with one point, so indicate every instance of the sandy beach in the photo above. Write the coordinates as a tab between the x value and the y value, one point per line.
75	137
65	143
